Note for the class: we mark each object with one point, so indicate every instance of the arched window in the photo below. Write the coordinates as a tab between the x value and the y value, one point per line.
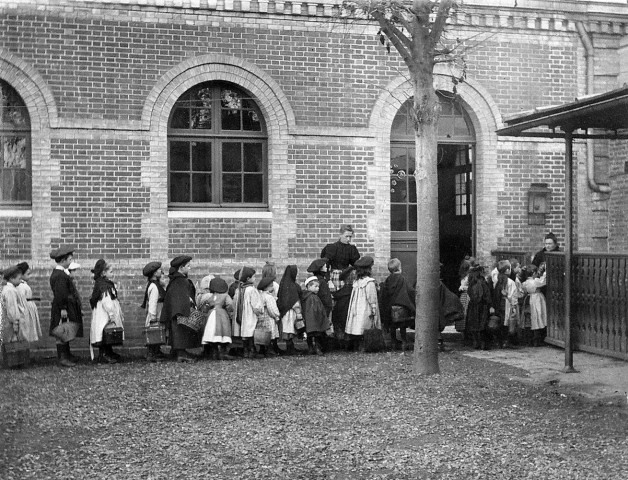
217	149
15	149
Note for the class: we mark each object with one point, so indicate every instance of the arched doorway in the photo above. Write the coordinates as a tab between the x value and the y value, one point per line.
456	144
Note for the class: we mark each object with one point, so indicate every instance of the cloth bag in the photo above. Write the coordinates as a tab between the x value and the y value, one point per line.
65	331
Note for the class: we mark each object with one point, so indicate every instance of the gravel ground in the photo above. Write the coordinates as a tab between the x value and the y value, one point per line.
342	416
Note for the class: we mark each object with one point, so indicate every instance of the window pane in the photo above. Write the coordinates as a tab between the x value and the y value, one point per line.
231	120
446	108
250	121
179	187
201	188
13	111
445	126
15	185
180	118
412	214
398	190
253	188
412	189
179	156
232	188
202	97
231	157
398	160
399	124
398	221
460	126
252	157
14	152
201	156
201	118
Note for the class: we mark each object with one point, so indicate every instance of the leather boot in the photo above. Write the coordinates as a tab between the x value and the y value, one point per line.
72	358
109	351
310	345
184	357
63	360
276	349
104	357
317	346
223	353
290	350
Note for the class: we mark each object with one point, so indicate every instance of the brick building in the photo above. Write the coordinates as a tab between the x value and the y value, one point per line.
246	131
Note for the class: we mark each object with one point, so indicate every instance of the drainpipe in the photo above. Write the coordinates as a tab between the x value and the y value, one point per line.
589	55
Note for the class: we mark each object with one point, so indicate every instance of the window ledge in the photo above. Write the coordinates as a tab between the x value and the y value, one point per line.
220	214
6	212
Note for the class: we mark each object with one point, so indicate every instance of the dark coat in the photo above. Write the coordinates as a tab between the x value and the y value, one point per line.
342	299
179	298
395	290
64	297
314	314
450	307
324	293
340	255
479	305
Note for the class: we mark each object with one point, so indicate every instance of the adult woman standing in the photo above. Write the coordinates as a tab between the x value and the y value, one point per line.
105	309
180	296
65	304
340	255
550	243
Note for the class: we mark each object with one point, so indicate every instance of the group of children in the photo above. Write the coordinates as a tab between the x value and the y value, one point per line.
503	307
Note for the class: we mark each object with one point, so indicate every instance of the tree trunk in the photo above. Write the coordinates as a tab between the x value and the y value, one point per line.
426	108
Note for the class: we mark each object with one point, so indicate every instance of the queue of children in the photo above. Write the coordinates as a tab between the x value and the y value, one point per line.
504	307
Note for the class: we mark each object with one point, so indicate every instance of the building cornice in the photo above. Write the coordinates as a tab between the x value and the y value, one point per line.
605	17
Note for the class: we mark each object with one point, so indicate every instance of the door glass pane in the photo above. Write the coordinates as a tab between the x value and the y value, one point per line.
412	218
253	188
231	157
398	190
201	156
232	188
231	119
252	157
179	187
201	188
179	156
412	189
398	221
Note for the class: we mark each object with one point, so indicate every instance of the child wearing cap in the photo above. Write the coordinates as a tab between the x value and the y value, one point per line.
363	307
153	303
31	327
315	316
217	333
268	319
397	294
65	303
13	306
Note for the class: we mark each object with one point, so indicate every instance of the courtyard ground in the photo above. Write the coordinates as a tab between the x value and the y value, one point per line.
342	416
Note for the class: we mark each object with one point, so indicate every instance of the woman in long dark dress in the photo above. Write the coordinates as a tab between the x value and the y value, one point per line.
179	299
340	255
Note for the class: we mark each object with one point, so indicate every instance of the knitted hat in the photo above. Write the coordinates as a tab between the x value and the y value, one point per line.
218	285
62	251
11	272
264	283
23	267
244	274
364	262
317	265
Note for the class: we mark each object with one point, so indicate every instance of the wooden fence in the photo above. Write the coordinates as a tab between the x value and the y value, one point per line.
599	309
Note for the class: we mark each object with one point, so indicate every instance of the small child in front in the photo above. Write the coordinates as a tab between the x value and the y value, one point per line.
314	315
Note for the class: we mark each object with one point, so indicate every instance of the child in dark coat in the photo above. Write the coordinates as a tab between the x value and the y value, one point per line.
341	297
314	315
396	292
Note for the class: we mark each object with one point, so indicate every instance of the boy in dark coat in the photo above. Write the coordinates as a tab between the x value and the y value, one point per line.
314	315
395	291
342	298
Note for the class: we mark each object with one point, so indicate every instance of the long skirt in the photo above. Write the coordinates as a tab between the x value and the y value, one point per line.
218	327
182	337
31	328
538	311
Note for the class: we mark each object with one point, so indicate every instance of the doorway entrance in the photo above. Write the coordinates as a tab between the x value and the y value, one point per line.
455	189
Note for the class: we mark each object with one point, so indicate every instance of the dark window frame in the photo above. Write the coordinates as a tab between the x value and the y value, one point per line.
8	131
218	137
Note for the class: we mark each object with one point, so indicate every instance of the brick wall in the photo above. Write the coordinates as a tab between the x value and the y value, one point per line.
100	197
618	221
99	81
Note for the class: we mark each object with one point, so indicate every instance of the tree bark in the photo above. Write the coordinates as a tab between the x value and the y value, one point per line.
426	109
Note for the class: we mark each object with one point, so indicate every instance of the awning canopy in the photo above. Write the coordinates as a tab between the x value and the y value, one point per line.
606	113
